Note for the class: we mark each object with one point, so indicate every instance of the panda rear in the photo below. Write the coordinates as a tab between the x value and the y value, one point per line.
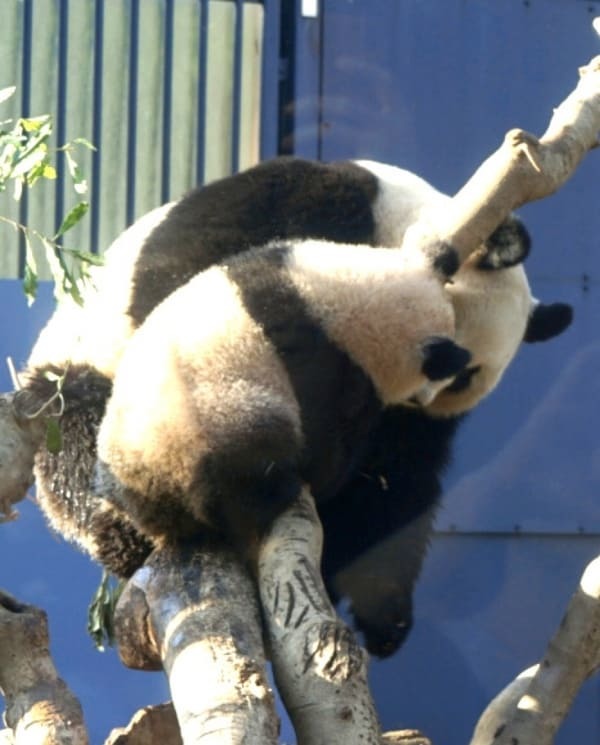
221	427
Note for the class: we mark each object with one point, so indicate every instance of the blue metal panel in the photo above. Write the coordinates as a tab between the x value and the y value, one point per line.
304	108
434	87
270	99
237	85
527	457
485	610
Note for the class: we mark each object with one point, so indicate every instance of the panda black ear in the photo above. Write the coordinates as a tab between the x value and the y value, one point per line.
547	321
442	358
507	246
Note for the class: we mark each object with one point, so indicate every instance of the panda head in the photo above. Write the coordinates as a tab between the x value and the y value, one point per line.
494	311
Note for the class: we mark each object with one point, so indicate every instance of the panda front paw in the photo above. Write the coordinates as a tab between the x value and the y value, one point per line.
507	246
385	633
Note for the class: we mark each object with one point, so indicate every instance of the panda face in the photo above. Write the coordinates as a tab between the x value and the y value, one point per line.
385	307
492	309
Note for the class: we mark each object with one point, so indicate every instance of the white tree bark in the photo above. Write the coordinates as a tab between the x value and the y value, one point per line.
532	708
522	170
195	614
320	670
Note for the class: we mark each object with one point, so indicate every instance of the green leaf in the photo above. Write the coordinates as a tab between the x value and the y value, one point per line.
101	612
30	277
79	181
57	267
27	163
72	218
53	436
6	93
49	171
36	123
85	143
86	256
53	377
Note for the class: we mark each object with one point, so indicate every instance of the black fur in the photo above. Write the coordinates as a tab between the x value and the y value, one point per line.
337	400
397	482
67	497
446	261
508	245
279	199
547	321
442	358
84	392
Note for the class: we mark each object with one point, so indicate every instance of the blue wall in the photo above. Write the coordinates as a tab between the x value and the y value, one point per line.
433	87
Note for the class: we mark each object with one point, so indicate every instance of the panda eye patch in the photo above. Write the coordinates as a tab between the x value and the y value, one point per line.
463	380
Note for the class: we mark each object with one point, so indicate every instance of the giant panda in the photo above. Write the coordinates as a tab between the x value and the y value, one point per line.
301	347
395	482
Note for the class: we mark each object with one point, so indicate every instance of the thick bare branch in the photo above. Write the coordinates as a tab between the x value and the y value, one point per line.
40	709
522	170
20	438
319	668
154	725
531	709
195	613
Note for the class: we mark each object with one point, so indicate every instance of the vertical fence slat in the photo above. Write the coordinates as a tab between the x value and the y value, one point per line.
114	122
237	85
202	92
132	107
96	164
150	103
42	36
168	73
182	147
61	105
11	71
25	111
251	92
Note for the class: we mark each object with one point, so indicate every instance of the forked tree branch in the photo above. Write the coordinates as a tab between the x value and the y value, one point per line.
523	169
532	708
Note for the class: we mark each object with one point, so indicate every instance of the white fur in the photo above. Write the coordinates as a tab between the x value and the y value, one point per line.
403	198
96	332
378	305
492	309
183	385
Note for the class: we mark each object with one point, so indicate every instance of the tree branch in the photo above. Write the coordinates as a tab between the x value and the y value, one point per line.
20	437
40	709
522	170
195	613
531	709
320	670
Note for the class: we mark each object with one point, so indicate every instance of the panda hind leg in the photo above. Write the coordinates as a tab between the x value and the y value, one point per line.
251	479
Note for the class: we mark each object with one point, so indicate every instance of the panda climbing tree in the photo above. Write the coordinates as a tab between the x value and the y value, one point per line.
325	292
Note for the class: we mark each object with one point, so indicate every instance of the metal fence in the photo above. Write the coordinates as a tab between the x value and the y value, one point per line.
171	92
